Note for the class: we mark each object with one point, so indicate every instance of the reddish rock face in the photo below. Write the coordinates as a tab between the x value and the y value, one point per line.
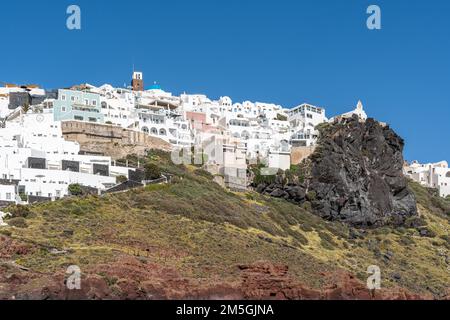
267	281
9	247
130	278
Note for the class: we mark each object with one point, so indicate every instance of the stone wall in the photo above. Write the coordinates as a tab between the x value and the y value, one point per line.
298	154
110	140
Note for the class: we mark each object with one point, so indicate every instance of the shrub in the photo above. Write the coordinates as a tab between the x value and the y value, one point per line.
259	178
152	171
175	180
300	238
23	196
121	179
446	238
18	223
307	206
18	211
311	195
327	241
4	232
405	240
75	190
249	196
306	227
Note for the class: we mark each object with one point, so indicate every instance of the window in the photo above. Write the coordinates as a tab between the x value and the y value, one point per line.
8	196
63	97
63	109
80	118
72	98
94	103
86	102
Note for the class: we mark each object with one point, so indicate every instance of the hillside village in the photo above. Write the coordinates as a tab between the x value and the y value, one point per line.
49	140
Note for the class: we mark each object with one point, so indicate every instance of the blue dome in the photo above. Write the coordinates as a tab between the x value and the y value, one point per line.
155	86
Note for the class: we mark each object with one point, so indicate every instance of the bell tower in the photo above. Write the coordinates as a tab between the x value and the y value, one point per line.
137	82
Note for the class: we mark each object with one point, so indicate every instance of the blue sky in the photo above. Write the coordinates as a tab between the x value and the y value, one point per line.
286	52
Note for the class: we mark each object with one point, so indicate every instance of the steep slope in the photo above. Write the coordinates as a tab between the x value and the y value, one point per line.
193	239
355	175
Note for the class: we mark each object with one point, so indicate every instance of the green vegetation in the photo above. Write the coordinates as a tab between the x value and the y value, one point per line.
18	211
260	178
18	222
152	171
75	190
204	231
23	196
295	175
121	179
429	199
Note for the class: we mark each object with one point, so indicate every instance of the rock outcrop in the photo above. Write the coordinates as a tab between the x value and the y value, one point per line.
355	176
131	279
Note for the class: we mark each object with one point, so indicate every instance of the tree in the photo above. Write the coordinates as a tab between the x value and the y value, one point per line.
152	171
75	190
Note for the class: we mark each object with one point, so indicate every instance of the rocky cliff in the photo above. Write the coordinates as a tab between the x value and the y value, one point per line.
355	176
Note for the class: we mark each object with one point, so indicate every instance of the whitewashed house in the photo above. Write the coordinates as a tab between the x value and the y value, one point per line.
431	175
36	161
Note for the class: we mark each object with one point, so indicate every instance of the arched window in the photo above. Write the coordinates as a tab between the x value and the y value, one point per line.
448	174
236	135
145	129
154	131
162	132
245	135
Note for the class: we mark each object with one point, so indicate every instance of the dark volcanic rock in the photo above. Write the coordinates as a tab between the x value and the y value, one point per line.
355	176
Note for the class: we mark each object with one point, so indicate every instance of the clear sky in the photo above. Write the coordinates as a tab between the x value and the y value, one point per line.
286	52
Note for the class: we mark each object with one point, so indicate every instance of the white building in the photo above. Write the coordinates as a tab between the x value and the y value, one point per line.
36	161
431	175
303	121
359	112
264	132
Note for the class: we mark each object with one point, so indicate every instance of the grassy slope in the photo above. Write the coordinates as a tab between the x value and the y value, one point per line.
204	231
